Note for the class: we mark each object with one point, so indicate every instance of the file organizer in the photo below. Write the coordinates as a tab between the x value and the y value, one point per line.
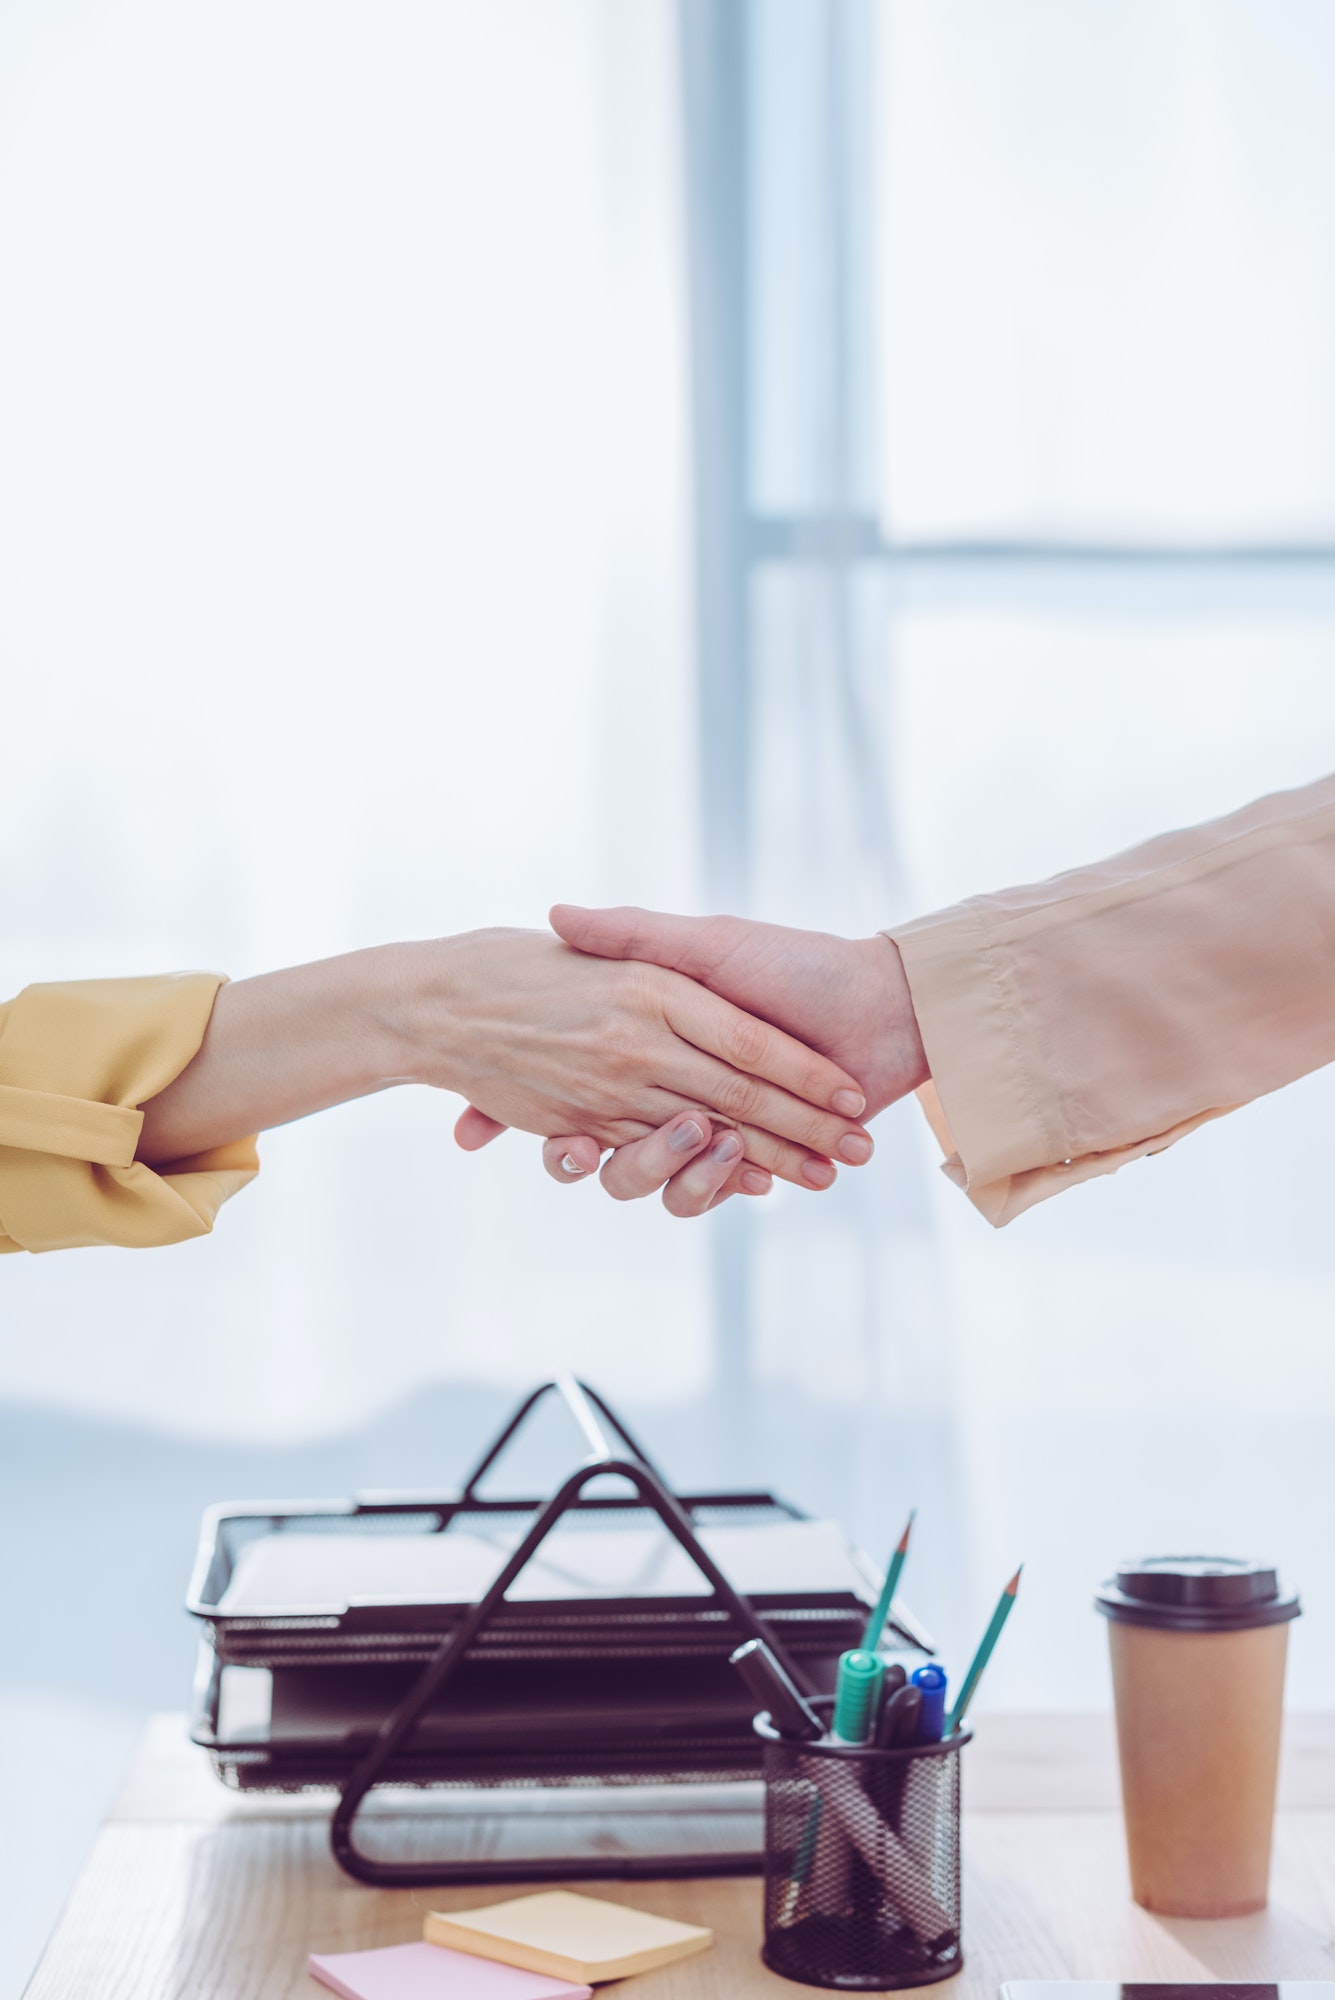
542	1677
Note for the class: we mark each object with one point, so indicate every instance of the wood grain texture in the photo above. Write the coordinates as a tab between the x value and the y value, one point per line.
193	1894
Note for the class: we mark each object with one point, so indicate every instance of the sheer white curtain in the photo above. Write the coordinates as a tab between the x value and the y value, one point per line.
344	595
1106	309
1042	507
1108	295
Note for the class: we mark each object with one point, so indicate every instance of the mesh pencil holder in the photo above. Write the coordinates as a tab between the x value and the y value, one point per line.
862	1861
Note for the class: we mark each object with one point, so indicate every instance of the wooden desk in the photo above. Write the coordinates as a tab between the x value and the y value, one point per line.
191	1891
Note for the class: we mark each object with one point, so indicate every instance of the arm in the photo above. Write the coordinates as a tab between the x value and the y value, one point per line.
1086	1021
535	1034
1076	1024
127	1106
75	1062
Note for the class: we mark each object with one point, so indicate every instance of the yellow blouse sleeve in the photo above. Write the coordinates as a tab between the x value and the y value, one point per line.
75	1062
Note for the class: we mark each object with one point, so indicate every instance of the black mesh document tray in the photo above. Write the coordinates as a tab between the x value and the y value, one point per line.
451	1640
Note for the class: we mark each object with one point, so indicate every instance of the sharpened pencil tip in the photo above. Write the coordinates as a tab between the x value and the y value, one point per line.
908	1530
1014	1583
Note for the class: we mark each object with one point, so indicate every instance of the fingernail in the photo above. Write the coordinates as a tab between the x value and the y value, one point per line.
756	1182
684	1138
855	1149
729	1147
570	1165
818	1173
850	1102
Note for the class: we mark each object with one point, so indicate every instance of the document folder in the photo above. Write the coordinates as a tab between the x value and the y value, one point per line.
453	1640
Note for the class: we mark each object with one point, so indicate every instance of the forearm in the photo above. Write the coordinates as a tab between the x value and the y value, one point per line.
283	1045
1079	1023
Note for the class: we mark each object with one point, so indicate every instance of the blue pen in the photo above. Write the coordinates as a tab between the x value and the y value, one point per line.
931	1681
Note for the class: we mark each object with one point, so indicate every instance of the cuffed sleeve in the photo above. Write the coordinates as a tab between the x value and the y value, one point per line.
76	1060
1085	1021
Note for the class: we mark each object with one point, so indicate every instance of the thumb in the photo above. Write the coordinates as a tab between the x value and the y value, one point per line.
473	1129
679	943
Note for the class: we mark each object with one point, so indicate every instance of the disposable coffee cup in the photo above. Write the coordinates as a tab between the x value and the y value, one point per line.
1198	1645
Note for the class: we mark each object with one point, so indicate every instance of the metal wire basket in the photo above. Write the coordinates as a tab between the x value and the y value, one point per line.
862	1861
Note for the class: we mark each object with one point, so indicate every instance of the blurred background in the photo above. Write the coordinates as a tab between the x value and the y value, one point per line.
820	458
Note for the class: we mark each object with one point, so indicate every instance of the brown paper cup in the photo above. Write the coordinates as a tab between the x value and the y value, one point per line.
1198	1728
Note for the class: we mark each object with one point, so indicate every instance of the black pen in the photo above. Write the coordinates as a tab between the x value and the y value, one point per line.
898	1723
773	1691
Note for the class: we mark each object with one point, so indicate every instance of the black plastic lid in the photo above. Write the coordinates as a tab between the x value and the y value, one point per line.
1196	1594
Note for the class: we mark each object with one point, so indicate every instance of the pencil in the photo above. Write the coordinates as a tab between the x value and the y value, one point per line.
806	1854
871	1637
983	1655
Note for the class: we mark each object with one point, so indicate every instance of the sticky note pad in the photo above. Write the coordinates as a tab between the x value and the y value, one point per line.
573	1937
427	1972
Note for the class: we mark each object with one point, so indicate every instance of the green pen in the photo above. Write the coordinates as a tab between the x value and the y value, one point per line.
875	1626
857	1696
1005	1603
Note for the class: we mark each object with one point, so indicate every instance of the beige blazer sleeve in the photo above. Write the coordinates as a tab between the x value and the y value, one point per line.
76	1062
1085	1021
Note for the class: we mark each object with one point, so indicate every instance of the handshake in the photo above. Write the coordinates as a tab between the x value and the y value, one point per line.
1076	1024
731	1052
709	1054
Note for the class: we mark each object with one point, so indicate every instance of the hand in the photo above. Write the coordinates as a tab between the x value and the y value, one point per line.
697	1169
847	997
539	1035
551	1040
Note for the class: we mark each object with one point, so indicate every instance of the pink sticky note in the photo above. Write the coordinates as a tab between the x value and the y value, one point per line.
433	1972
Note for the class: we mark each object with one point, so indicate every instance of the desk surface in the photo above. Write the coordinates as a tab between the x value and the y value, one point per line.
192	1891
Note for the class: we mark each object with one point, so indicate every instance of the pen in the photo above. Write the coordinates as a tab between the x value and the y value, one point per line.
895	1679
772	1691
871	1637
930	1682
980	1659
898	1723
857	1693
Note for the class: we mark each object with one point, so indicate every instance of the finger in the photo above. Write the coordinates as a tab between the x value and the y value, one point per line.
570	1160
746	1179
473	1129
764	1151
699	1186
642	1168
761	1076
790	1163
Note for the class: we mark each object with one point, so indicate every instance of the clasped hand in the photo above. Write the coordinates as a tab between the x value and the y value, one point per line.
846	999
557	1042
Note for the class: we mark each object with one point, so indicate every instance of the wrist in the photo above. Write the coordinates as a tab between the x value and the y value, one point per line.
278	1047
895	1061
418	1012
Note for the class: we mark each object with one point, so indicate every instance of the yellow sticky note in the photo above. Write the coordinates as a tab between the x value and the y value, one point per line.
580	1938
